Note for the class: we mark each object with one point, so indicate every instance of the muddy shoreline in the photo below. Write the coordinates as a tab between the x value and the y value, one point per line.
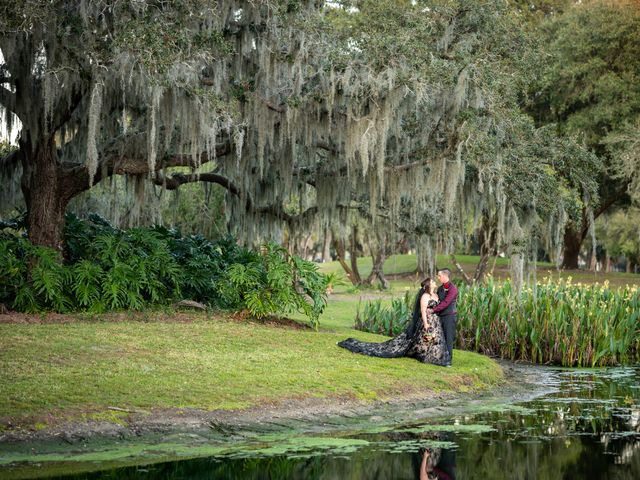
522	382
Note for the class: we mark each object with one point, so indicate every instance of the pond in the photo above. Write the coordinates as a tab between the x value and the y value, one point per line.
579	424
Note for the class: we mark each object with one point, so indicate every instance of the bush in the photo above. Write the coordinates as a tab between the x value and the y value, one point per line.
106	268
275	282
554	323
32	278
557	323
202	264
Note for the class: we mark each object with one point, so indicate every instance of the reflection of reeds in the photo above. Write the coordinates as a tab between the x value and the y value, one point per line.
559	323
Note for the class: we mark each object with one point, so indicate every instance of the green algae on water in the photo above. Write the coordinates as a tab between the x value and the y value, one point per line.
309	445
474	428
412	445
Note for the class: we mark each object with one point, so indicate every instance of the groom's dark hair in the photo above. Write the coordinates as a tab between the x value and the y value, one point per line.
445	270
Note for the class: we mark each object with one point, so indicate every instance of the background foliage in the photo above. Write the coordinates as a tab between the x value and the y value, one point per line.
376	317
107	268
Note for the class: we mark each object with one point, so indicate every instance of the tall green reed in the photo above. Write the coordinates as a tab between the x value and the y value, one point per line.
553	323
387	319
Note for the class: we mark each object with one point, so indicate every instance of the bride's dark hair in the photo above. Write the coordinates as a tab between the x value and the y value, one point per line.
416	319
426	285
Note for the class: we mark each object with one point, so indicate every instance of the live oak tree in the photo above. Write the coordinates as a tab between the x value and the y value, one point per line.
404	114
103	88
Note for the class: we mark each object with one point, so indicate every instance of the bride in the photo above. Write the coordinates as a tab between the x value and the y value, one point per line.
423	338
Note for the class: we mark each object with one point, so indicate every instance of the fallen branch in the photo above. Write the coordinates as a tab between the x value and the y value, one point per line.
190	304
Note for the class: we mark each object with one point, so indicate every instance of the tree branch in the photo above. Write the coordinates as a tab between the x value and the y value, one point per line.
270	106
173	182
612	199
276	210
208	82
603	207
64	108
76	179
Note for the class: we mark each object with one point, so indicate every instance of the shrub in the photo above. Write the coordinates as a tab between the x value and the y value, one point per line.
31	277
106	268
557	323
275	282
334	279
202	264
554	323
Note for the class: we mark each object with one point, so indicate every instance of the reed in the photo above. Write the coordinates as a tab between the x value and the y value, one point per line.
386	319
553	323
557	323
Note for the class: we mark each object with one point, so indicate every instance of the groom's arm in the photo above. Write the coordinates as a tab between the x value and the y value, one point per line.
452	293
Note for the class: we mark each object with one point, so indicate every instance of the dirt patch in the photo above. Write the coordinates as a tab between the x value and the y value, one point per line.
243	316
156	316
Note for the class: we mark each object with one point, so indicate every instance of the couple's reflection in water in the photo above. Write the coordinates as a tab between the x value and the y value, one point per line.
437	463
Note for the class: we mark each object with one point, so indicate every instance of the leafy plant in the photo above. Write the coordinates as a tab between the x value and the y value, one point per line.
106	268
557	323
373	316
275	282
334	279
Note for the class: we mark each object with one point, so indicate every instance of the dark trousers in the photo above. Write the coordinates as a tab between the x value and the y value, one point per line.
449	329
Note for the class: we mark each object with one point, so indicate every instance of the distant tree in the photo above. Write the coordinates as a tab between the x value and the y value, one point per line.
591	88
619	234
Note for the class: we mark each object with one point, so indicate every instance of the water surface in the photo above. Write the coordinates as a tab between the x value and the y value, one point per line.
586	426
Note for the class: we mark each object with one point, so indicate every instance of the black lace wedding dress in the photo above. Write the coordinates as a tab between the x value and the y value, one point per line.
428	346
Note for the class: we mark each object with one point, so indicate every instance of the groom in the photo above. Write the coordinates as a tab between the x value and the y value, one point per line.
446	309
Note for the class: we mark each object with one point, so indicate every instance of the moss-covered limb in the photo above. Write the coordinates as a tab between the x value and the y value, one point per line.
66	371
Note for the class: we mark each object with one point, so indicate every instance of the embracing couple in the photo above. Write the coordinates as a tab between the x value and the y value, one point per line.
431	332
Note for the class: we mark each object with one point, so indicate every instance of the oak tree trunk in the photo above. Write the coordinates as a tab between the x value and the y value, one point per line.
488	246
341	254
572	243
377	258
326	253
45	199
357	279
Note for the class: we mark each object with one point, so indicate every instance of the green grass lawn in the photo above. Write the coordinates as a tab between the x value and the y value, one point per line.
51	372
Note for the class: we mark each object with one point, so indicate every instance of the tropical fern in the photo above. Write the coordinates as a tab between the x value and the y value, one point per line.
106	268
275	283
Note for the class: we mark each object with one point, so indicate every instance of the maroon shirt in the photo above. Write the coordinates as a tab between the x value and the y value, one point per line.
449	300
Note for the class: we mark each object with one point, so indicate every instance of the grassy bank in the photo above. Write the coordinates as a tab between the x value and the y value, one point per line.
77	370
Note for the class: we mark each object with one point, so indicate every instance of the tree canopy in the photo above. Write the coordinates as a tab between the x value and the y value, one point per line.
406	114
590	87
